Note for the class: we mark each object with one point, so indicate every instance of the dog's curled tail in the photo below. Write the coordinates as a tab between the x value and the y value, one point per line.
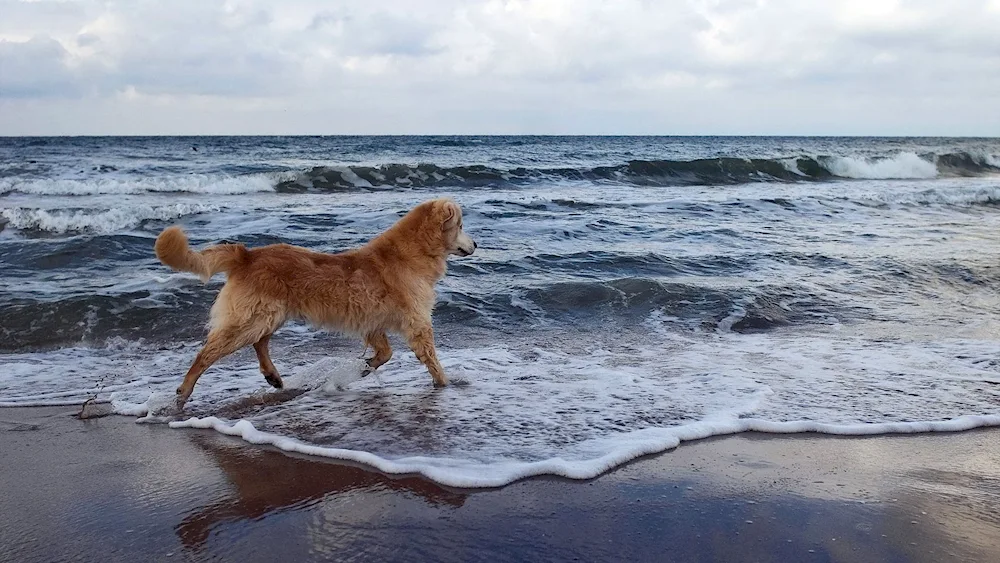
172	249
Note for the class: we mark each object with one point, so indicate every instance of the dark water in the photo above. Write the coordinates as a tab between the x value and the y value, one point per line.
622	284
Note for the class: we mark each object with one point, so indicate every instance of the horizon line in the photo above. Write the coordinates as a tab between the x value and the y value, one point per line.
700	135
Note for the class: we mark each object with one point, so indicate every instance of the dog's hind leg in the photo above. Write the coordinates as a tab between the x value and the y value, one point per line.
383	352
266	367
221	342
420	337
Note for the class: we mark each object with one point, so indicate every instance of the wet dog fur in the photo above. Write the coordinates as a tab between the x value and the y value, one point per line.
385	286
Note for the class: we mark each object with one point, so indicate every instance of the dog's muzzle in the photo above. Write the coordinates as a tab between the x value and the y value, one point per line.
465	244
462	251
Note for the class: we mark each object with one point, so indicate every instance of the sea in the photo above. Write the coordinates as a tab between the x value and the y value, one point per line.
628	293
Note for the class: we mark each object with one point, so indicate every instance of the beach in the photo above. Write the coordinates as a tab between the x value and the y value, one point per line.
109	489
663	348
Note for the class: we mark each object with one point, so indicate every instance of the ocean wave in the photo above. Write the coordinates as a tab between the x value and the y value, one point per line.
97	221
968	163
179	312
954	196
604	262
341	178
901	166
129	185
702	293
95	319
28	257
624	300
346	178
717	171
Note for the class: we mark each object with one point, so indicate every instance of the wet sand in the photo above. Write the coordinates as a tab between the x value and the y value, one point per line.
111	490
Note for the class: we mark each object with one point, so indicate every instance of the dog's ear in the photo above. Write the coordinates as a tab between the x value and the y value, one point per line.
451	215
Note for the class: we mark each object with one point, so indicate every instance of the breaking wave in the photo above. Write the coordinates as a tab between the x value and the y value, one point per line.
95	221
190	183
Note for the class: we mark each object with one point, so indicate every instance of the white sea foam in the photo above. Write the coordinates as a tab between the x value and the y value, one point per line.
330	375
71	376
577	415
469	474
574	409
905	165
954	197
99	221
190	183
964	194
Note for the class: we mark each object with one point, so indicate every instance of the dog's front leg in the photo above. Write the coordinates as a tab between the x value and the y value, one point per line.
420	337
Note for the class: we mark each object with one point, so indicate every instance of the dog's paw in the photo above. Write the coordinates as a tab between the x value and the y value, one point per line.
180	398
274	381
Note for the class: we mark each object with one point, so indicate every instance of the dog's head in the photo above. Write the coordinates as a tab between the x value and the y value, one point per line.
448	214
435	227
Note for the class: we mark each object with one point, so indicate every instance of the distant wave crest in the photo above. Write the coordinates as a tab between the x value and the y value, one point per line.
716	171
701	172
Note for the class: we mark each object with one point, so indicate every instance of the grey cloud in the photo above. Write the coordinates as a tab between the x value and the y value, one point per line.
35	68
87	40
375	33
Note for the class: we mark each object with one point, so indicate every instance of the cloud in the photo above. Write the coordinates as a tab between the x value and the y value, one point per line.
35	68
504	66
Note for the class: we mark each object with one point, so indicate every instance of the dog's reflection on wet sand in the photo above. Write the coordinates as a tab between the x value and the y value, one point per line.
265	481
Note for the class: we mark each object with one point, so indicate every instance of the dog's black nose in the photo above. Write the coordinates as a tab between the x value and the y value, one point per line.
474	245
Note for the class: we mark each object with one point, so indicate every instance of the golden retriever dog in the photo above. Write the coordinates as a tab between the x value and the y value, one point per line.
387	285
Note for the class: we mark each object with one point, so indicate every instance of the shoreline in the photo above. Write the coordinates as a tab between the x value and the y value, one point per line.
108	489
658	441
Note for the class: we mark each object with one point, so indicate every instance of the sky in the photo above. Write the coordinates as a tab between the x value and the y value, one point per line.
644	67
